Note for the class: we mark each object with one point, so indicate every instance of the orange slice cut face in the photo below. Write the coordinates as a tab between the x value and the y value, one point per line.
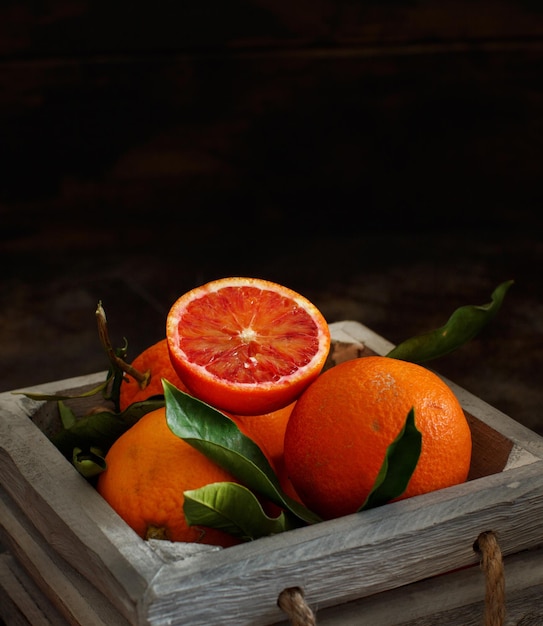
246	345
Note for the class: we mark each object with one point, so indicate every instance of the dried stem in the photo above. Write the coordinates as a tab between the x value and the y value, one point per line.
142	378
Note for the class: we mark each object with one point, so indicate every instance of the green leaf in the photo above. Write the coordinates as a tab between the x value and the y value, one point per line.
234	509
218	437
398	466
99	429
464	324
59	396
88	463
67	416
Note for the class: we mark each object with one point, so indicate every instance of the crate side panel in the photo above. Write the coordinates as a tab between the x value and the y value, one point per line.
21	602
73	596
69	514
355	556
491	450
521	436
455	599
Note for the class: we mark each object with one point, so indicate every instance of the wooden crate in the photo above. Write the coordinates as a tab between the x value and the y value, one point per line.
69	559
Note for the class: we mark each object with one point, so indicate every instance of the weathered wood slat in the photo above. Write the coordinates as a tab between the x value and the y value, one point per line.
67	513
21	601
456	599
355	556
74	598
61	531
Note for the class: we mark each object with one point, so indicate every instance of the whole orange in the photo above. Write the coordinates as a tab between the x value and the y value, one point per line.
156	359
246	345
267	431
338	433
148	469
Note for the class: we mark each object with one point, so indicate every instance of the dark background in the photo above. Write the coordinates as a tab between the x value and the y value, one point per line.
382	158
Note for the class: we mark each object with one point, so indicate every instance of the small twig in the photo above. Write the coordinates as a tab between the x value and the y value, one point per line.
142	378
292	602
492	565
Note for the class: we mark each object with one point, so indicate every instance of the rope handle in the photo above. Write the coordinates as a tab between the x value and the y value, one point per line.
292	601
491	562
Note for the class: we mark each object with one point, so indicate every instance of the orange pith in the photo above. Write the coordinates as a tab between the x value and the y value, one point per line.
156	359
246	345
341	426
148	469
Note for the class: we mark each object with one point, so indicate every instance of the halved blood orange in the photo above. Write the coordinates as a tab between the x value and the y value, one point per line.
246	345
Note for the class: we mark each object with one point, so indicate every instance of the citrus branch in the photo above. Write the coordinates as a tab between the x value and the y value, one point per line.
142	378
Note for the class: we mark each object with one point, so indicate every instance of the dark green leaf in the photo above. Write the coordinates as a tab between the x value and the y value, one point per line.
464	324
234	509
116	375
100	429
398	466
218	437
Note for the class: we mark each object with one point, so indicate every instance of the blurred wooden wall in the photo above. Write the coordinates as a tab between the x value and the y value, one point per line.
254	114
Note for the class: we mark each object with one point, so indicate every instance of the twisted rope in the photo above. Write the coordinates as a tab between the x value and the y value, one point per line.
491	561
292	602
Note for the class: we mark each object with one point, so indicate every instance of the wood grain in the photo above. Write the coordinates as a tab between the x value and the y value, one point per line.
453	600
